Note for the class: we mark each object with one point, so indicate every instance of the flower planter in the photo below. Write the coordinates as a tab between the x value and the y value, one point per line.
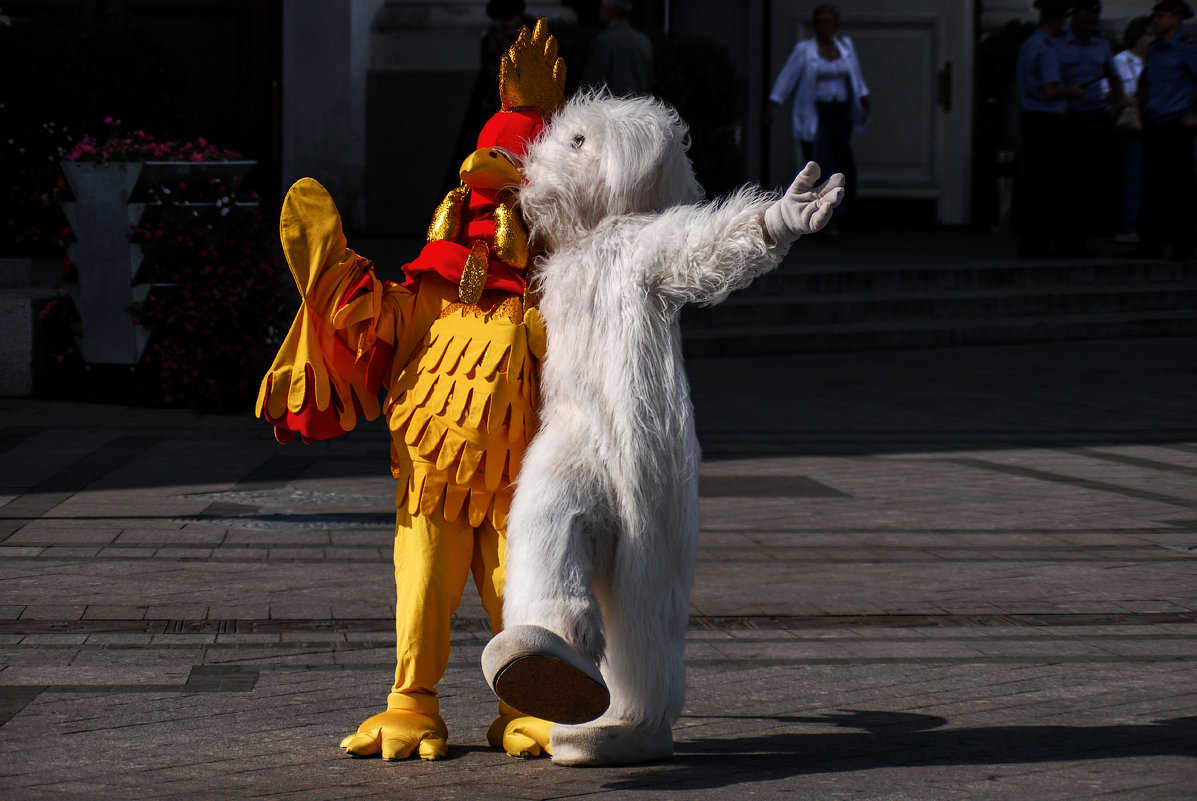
101	217
170	173
107	262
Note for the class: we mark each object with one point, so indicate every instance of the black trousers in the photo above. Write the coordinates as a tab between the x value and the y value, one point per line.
1041	176
1089	201
1168	211
832	150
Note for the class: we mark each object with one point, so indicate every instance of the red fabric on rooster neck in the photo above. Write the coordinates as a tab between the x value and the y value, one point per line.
447	259
512	130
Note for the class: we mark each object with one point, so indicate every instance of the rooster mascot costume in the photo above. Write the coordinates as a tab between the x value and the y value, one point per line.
455	348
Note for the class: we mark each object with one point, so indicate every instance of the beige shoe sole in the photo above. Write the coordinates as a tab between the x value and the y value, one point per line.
541	675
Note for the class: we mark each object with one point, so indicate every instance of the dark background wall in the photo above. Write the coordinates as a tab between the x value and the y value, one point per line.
227	55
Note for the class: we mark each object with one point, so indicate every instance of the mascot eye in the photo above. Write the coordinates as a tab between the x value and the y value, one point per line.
578	140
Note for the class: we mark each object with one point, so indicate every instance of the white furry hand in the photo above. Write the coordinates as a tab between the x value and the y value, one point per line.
804	209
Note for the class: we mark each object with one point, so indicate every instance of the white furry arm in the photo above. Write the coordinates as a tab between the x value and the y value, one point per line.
804	209
702	253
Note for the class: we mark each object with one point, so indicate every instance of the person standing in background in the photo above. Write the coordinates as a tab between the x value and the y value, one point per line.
1128	126
621	57
1086	61
830	100
506	19
1167	95
1044	99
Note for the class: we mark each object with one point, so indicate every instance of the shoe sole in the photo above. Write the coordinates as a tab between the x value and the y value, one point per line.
541	675
547	688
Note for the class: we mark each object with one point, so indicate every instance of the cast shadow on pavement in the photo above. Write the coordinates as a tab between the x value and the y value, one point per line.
887	740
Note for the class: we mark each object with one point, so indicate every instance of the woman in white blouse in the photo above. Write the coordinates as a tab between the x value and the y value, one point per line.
830	97
1129	64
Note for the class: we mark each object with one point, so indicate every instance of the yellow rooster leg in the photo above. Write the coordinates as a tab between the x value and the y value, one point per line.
399	732
518	734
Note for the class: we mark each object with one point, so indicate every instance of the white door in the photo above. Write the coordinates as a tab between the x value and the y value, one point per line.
917	59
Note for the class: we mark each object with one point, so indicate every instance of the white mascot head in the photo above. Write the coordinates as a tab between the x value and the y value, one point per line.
603	156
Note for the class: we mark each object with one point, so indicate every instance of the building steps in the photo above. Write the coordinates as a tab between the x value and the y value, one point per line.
878	295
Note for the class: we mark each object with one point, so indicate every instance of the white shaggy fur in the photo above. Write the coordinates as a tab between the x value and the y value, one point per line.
604	526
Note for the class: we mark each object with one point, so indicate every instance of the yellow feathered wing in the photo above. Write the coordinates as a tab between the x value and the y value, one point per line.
318	382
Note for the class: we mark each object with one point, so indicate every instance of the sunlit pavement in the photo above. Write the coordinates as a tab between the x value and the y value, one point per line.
926	574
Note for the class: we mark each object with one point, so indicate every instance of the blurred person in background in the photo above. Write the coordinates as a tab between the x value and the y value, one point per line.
1044	99
830	101
1167	94
1128	125
1086	60
621	57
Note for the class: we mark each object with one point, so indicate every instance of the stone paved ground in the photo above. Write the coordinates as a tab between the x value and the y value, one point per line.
958	574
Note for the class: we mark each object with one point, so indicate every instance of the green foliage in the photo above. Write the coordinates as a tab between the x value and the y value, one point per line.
216	305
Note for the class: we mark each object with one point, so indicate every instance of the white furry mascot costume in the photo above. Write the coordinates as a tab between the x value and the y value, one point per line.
604	524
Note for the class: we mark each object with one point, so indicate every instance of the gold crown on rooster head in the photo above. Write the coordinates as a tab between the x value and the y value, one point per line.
531	75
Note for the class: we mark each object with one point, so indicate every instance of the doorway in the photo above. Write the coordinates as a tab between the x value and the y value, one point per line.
918	64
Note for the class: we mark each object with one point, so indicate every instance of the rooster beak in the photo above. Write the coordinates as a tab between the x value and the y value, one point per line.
490	168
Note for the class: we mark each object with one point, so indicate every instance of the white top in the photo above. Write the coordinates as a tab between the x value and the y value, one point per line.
799	77
832	81
1129	67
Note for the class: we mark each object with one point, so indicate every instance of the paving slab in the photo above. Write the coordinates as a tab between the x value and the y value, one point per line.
941	574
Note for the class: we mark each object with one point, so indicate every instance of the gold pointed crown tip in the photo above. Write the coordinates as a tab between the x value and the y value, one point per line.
531	75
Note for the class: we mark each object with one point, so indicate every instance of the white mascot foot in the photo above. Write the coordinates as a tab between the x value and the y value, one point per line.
610	744
542	675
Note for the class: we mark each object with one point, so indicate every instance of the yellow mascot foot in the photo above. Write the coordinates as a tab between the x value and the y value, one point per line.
518	734
398	733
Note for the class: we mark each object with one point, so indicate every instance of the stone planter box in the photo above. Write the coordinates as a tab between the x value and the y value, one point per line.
164	173
102	215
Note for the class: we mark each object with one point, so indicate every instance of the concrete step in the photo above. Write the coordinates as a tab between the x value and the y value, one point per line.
902	275
843	307
892	290
933	332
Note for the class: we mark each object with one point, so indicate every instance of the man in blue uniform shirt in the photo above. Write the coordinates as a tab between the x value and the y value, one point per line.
1044	100
1085	61
1167	97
